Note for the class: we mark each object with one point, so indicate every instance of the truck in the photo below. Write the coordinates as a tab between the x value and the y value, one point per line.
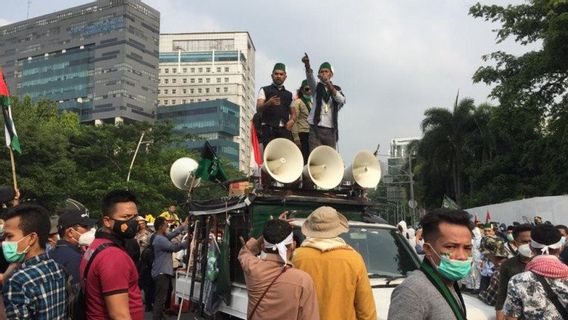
388	256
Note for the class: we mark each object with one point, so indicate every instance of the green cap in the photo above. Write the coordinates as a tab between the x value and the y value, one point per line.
279	66
326	65
304	83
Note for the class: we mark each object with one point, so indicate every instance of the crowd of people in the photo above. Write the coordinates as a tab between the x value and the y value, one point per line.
521	270
63	267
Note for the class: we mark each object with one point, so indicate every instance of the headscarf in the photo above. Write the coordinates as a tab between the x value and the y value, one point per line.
281	246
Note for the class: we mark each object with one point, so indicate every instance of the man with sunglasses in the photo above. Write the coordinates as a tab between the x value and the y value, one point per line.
301	128
328	100
275	105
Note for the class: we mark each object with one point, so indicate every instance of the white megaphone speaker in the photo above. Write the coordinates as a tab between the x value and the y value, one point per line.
324	167
365	170
283	160
182	171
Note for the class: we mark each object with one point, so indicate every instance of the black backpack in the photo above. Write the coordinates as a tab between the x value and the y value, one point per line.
77	308
147	255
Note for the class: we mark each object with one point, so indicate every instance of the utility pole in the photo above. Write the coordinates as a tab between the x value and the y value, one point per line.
411	176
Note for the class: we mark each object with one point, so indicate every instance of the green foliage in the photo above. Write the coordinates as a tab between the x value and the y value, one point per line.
61	158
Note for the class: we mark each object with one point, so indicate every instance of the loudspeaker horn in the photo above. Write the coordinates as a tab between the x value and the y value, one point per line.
182	171
283	160
324	167
365	170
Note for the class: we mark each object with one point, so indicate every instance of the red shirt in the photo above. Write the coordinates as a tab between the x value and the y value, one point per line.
112	272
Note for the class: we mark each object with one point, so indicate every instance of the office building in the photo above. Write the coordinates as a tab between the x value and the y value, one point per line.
397	177
198	67
99	60
216	121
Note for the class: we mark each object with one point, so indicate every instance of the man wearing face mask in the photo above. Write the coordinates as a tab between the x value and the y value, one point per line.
73	226
513	266
36	289
432	291
111	286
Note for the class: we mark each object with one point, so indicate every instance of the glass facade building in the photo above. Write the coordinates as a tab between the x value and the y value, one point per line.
99	60
216	121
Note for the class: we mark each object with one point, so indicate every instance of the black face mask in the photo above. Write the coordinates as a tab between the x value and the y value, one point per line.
125	229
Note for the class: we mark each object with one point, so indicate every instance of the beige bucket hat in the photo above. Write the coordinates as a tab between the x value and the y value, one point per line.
325	222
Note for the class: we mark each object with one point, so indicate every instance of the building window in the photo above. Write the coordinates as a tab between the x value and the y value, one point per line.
198	100
184	101
207	80
226	69
166	70
184	80
166	81
191	91
208	70
160	70
218	90
174	91
218	80
192	80
192	70
199	90
218	69
184	70
173	102
206	90
200	70
184	91
174	70
165	91
158	102
226	79
200	80
165	101
191	100
225	89
174	80
158	91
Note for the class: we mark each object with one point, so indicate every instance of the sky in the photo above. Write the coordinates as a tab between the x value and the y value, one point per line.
392	59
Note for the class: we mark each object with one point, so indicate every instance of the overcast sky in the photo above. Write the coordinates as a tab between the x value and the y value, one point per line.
393	59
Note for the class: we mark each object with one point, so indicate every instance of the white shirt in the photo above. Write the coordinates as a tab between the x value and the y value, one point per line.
326	114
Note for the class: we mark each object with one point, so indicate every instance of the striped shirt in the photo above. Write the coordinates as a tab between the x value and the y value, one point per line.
36	290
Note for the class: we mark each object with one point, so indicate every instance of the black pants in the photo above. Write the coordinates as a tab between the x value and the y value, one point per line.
162	285
305	145
269	133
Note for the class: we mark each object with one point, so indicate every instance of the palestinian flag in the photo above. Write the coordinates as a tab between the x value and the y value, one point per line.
12	140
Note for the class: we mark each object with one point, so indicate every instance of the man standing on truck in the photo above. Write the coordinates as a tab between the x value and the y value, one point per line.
338	271
276	290
432	292
274	102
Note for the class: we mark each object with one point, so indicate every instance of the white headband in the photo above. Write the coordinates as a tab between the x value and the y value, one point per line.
281	246
544	248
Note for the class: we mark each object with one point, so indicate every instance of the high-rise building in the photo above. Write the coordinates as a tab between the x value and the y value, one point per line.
99	59
196	67
397	176
217	121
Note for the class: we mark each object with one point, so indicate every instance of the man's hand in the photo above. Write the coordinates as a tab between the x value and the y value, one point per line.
306	61
273	101
185	222
289	124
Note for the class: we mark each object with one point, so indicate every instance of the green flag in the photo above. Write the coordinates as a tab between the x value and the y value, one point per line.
209	167
224	276
448	203
12	140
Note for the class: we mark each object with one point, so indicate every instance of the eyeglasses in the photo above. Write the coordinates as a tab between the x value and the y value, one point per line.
306	89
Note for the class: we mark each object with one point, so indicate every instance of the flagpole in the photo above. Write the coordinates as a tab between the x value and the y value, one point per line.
13	169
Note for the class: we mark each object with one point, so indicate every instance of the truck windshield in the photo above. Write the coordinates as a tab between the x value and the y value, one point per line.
384	250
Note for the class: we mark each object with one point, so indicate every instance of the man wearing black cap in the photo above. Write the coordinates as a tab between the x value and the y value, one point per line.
72	224
275	104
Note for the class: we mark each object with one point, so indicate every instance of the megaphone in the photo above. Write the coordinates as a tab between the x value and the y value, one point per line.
324	167
182	171
365	170
283	160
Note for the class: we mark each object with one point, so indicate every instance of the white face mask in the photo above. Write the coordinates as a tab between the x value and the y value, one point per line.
86	238
421	242
1	228
525	250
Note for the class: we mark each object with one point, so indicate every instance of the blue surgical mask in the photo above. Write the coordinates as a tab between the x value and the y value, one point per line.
562	240
510	237
10	251
451	269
